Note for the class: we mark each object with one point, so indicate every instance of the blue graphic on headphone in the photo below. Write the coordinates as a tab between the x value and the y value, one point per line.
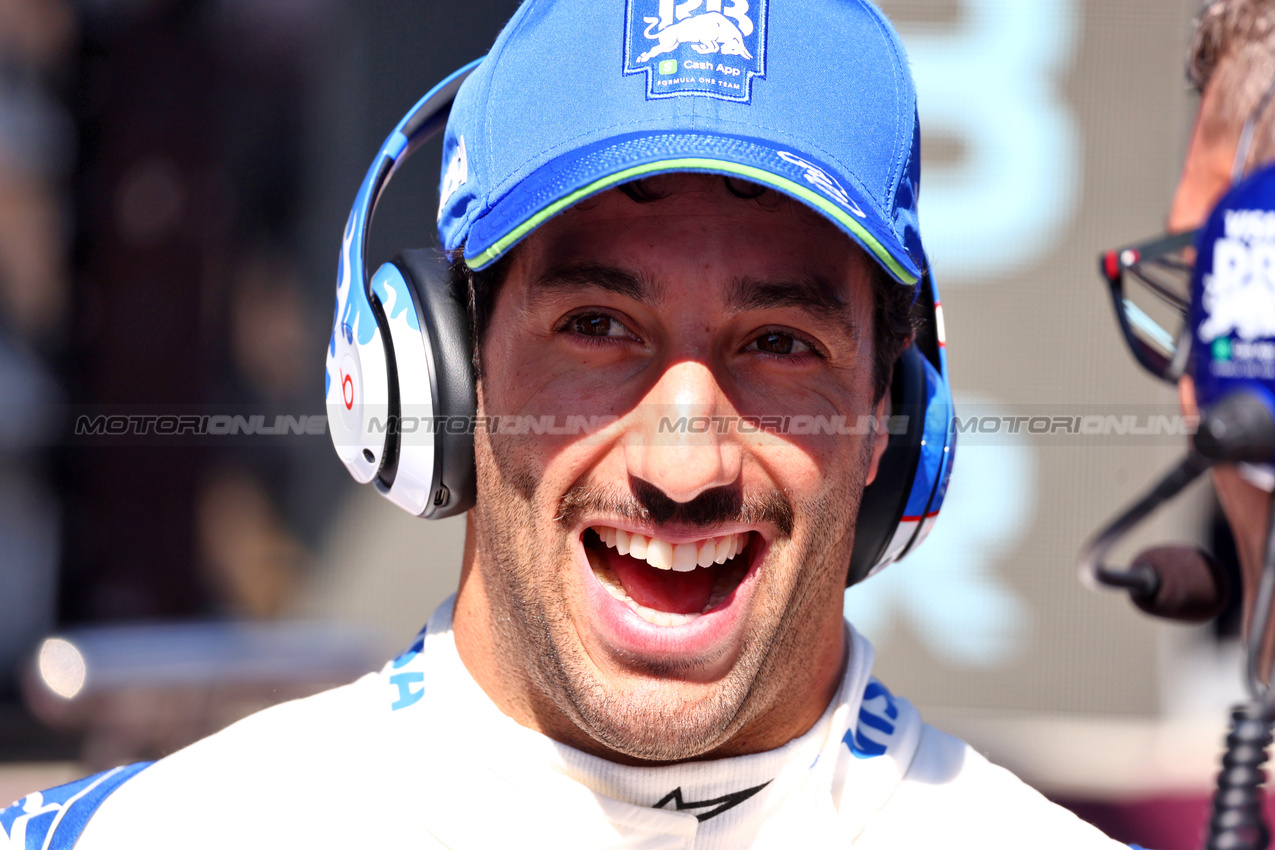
390	288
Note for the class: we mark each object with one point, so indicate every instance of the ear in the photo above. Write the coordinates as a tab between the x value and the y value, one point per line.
880	436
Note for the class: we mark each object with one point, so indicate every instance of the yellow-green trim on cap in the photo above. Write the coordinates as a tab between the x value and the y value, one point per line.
756	175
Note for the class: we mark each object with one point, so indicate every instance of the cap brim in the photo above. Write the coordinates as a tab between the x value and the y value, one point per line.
554	186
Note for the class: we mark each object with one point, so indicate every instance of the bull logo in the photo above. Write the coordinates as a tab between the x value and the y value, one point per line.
728	34
707	33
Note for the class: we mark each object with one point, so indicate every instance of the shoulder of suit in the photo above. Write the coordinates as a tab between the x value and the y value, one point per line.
950	790
258	777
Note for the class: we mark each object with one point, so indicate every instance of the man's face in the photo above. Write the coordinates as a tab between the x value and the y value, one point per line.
1206	176
698	304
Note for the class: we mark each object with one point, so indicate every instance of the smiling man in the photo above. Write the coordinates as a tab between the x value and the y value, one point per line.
665	596
657	213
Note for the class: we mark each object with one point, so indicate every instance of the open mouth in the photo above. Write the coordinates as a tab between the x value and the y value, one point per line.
668	584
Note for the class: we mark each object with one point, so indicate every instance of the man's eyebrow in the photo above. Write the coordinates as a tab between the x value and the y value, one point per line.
611	279
814	295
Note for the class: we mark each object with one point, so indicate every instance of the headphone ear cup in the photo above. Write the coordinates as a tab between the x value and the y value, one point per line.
444	328
882	506
900	506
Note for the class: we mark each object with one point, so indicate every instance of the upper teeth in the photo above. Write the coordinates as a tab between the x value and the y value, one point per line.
682	557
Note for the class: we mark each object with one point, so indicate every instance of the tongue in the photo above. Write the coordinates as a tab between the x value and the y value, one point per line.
663	590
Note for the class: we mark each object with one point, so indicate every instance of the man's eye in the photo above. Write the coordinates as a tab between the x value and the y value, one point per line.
778	342
598	325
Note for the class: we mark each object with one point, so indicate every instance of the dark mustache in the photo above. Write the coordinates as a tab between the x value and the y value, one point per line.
646	503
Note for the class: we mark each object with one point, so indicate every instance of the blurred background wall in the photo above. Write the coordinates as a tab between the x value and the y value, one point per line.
174	176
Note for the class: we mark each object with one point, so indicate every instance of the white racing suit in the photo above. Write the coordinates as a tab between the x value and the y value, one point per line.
417	756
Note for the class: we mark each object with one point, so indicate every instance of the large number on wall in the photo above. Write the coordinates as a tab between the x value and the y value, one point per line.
950	592
994	83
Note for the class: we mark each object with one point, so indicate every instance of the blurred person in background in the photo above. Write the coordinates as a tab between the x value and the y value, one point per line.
1155	286
1231	64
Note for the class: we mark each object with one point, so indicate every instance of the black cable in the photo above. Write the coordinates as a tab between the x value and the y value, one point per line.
1140	581
1237	822
1259	686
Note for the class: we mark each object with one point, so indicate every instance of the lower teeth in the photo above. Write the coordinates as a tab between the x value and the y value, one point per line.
722	587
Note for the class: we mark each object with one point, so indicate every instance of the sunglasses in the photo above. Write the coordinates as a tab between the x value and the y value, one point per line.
1150	286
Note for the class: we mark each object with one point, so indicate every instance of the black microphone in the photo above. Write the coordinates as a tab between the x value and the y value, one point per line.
1177	582
1152	588
1188	584
1240	427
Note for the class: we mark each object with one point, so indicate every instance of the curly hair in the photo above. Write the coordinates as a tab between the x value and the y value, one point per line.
1233	55
894	313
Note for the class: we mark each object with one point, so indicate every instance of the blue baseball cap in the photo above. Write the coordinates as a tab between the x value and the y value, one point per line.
812	98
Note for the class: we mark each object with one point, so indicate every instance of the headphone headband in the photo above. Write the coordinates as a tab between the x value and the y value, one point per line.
422	122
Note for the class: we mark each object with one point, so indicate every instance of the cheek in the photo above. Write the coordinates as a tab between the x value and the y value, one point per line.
518	377
502	466
542	447
806	431
531	373
807	468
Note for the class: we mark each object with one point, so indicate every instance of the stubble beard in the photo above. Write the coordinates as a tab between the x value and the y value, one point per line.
536	642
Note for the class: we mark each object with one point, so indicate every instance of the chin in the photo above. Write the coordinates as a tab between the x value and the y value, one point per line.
657	723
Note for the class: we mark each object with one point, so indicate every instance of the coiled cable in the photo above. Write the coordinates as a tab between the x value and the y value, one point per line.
1237	822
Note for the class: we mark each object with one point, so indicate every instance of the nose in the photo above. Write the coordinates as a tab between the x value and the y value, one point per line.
683	437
